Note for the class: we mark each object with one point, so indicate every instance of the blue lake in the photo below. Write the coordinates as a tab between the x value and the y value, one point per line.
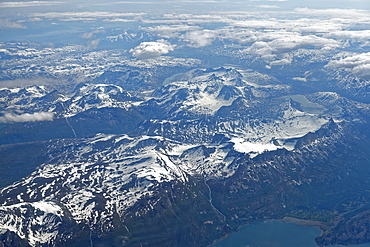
274	234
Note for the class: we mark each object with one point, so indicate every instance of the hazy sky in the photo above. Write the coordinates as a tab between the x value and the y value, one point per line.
14	7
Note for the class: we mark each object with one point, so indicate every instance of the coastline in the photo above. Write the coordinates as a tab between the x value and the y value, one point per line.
313	223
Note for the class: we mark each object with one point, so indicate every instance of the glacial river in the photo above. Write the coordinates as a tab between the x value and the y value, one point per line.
274	234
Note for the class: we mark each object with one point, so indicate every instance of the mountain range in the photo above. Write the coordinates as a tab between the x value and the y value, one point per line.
180	164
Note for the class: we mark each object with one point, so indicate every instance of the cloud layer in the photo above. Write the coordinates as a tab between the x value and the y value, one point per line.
273	39
27	117
28	4
275	34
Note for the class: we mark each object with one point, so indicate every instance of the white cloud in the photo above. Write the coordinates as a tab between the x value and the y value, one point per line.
339	13
331	30
152	49
118	20
265	6
35	19
363	35
93	44
302	79
314	25
8	24
268	36
351	61
27	117
91	34
358	64
287	42
281	62
170	31
241	35
256	23
75	16
189	19
362	71
200	38
302	25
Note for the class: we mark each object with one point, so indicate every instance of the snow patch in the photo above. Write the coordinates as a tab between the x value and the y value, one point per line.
243	146
41	218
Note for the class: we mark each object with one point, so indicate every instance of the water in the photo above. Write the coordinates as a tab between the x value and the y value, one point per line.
307	105
172	78
274	234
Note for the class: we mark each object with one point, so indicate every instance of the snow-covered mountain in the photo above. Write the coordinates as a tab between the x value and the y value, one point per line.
118	166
